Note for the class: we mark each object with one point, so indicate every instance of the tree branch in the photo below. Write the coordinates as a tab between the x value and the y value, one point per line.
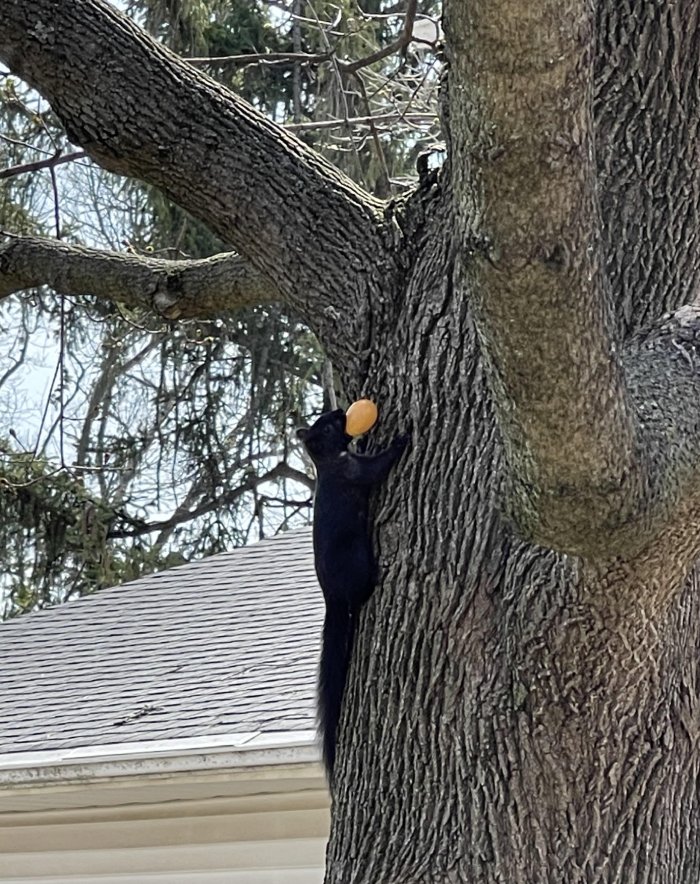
181	515
521	84
175	289
370	120
601	441
397	46
139	110
262	58
47	163
401	42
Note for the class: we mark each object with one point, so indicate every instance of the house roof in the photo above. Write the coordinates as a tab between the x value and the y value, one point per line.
226	645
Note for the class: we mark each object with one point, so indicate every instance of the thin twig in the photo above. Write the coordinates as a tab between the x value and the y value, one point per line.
329	384
296	73
337	70
263	58
139	527
385	182
348	67
363	121
400	43
48	163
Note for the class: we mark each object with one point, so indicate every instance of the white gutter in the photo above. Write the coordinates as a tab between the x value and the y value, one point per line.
225	751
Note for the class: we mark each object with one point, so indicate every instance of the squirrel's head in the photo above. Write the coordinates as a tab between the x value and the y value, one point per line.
326	438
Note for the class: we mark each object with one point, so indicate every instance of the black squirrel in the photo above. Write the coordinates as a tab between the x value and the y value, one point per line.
343	554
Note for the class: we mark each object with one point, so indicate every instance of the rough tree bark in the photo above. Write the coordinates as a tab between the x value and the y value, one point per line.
524	700
176	289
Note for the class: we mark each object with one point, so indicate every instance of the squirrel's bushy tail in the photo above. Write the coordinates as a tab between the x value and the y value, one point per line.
338	631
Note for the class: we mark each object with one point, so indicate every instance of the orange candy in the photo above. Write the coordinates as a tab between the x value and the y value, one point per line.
360	417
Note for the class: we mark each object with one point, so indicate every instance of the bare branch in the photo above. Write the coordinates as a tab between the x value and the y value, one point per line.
181	515
176	289
349	67
399	44
48	163
369	121
263	58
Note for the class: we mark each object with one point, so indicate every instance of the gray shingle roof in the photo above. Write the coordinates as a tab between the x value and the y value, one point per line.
226	645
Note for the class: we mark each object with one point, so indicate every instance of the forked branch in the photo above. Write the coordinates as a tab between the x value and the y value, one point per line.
601	442
521	84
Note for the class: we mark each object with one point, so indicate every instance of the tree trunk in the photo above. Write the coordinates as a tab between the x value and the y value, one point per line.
514	716
517	715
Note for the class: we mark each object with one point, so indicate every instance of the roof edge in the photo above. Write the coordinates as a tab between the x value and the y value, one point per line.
118	760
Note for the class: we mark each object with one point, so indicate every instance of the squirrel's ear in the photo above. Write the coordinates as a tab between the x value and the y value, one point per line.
301	433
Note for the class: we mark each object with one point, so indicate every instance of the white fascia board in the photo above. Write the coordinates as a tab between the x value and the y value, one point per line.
217	752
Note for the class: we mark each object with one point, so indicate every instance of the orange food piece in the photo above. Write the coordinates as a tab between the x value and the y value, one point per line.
360	417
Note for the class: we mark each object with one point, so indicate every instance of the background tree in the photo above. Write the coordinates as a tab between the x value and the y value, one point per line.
523	705
170	439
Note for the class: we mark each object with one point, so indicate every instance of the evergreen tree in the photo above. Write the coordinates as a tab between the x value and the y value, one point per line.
135	440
